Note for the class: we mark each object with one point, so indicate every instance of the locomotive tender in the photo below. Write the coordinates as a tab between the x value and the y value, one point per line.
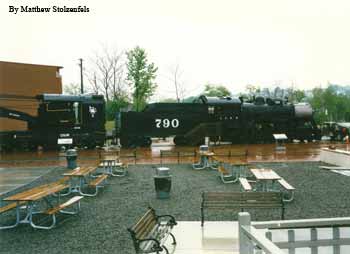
65	120
225	119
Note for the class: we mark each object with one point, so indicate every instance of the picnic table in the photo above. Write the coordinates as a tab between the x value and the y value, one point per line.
33	197
265	178
79	178
206	161
112	165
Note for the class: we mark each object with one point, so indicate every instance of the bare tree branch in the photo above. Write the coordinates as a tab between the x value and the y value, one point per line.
106	73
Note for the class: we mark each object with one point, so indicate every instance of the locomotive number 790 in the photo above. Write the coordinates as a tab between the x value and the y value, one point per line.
167	123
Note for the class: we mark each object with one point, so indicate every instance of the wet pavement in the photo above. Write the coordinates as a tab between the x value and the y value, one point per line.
17	177
167	153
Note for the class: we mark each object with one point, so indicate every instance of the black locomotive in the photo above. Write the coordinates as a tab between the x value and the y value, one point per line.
62	120
224	119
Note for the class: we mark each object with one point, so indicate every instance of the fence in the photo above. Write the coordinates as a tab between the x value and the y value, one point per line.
185	156
254	241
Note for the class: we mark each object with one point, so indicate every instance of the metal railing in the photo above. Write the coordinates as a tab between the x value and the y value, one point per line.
256	237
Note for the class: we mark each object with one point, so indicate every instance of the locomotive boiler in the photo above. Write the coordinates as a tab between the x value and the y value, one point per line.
224	119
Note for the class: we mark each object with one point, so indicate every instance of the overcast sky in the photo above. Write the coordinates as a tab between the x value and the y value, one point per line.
231	42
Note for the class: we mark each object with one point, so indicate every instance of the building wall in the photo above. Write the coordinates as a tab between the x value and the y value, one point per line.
20	83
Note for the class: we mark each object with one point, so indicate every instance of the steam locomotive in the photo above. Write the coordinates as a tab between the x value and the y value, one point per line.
61	120
224	119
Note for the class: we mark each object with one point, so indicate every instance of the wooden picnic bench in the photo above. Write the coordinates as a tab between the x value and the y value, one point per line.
241	201
289	188
97	183
32	196
13	204
246	186
150	233
81	174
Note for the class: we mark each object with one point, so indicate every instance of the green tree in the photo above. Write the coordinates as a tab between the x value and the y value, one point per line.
216	91
297	95
141	76
114	106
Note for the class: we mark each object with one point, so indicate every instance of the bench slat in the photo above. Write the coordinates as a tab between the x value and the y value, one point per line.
98	180
38	188
64	205
241	200
245	184
146	229
240	196
10	206
285	184
145	224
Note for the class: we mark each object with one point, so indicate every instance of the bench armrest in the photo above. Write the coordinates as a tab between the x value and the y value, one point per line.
172	220
139	241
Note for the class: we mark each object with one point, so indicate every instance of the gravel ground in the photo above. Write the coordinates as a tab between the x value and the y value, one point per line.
101	225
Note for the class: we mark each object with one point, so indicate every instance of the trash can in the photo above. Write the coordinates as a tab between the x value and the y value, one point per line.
162	183
71	156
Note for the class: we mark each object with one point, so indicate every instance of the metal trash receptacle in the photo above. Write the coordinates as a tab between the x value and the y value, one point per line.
162	183
71	156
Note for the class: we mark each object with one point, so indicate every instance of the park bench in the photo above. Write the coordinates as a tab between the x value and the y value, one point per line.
289	188
241	201
150	233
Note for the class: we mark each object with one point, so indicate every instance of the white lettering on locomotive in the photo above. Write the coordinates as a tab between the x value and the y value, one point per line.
167	123
92	111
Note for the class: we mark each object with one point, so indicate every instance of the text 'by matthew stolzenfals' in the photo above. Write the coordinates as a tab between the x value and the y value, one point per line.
36	9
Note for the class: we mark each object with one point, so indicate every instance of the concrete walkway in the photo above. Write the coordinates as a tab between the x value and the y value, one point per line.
13	178
216	237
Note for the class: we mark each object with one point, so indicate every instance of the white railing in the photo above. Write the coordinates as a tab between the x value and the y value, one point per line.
256	237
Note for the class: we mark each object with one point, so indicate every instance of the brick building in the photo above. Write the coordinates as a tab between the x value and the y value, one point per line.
20	83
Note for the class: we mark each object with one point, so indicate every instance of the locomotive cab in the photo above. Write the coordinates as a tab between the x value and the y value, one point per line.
71	120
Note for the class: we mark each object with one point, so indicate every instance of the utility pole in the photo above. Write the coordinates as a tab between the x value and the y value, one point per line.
81	75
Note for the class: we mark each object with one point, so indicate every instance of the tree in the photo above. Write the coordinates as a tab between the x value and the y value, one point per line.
216	91
114	106
72	89
178	83
141	76
106	74
252	90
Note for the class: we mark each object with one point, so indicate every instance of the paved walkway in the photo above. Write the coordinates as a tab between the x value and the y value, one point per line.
216	237
17	177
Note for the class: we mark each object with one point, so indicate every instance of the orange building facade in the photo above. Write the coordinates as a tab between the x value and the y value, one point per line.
20	83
